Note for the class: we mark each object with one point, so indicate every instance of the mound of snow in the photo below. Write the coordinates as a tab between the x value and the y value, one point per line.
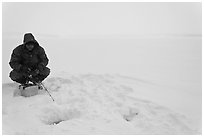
90	104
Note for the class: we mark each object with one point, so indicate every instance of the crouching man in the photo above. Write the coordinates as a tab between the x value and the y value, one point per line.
29	62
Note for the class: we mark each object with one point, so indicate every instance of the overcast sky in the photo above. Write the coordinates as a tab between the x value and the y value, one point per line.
64	19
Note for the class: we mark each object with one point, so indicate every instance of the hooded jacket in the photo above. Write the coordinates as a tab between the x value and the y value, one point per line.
22	57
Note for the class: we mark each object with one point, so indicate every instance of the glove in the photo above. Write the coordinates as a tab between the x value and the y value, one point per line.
35	72
25	69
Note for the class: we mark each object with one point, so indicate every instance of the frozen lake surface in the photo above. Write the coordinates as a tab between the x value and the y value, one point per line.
152	82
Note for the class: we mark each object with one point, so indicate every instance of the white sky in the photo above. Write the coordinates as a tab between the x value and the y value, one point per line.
135	18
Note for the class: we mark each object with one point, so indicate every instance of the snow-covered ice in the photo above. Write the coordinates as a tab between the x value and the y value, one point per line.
92	104
133	68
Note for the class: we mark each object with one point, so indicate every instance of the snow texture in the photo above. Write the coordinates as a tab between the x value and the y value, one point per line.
90	104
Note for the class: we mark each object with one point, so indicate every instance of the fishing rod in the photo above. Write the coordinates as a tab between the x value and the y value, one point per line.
47	91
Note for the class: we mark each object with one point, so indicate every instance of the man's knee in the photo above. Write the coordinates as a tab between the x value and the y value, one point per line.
14	75
17	76
45	72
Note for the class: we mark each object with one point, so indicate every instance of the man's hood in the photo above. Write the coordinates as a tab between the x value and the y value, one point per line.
28	37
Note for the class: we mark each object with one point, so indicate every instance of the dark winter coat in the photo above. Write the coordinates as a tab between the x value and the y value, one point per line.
22	57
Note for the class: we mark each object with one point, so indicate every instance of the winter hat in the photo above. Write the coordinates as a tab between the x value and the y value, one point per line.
28	37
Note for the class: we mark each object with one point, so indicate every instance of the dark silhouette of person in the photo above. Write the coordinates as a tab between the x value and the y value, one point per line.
29	62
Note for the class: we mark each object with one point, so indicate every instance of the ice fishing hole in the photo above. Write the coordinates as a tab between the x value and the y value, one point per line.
56	122
56	115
